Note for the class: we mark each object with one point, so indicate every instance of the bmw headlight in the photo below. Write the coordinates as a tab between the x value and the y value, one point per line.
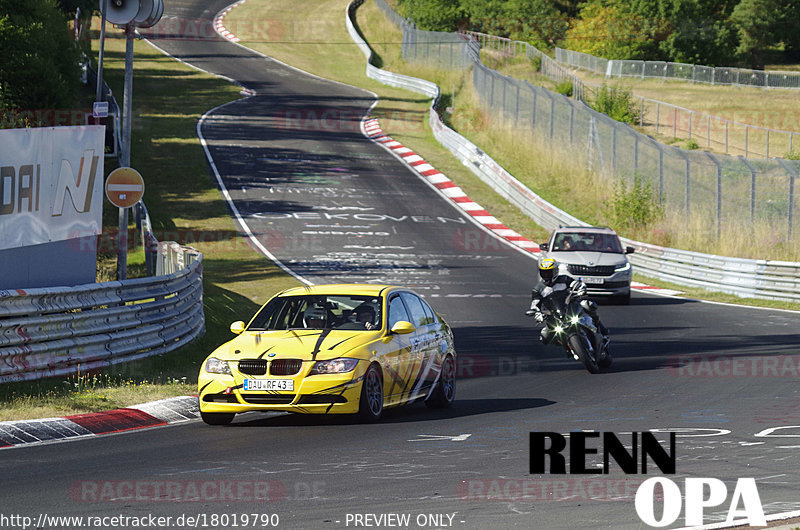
217	366
624	267
334	366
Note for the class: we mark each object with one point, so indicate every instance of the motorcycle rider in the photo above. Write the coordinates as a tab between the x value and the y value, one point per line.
552	282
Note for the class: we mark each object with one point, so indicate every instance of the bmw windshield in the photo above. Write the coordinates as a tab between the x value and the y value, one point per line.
344	312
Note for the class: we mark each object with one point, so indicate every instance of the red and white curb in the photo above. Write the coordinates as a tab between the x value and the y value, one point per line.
153	414
220	28
657	290
447	187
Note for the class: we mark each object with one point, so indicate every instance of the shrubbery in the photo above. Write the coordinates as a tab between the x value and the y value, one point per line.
40	66
617	103
633	208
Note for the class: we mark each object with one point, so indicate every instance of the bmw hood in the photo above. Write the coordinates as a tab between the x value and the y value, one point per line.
305	344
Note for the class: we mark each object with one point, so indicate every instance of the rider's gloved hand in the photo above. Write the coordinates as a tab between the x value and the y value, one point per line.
579	290
539	316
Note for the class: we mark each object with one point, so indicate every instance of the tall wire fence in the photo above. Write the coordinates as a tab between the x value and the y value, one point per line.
661	118
727	191
693	73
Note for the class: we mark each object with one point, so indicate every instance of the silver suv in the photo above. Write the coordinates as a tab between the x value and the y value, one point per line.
595	255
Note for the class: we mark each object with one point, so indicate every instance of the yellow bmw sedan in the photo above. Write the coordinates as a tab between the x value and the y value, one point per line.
332	349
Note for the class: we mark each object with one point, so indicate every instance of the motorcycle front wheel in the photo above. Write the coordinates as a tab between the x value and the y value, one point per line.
579	343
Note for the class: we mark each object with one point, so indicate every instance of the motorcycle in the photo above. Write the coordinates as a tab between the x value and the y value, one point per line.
573	329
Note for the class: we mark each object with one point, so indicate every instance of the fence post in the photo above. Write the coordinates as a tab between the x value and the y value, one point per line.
708	131
635	153
571	119
658	114
504	109
552	114
533	114
790	212
691	113
675	124
791	137
767	143
726	137
516	109
746	130
719	192
641	113
660	174
614	148
491	94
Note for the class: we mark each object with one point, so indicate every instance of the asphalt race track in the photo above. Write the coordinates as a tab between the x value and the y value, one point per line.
335	207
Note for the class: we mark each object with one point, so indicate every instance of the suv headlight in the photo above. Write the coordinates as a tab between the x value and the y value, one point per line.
217	366
334	366
624	267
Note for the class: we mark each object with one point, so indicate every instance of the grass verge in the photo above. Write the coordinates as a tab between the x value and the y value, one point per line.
186	206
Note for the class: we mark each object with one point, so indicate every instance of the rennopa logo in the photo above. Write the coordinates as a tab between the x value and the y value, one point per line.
80	191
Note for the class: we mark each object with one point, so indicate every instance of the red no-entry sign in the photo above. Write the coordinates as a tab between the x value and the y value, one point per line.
124	187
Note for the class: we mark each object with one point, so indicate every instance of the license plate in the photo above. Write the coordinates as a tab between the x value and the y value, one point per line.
268	384
592	281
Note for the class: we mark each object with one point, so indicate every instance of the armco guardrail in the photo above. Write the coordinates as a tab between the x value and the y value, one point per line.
59	331
775	280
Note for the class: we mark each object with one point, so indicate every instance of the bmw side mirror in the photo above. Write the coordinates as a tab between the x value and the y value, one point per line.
544	246
629	250
237	327
402	327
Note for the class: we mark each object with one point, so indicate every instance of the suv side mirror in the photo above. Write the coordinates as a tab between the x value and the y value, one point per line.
544	246
629	250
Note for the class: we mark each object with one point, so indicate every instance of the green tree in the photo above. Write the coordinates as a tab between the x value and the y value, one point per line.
612	29
432	15
39	63
690	31
539	22
758	22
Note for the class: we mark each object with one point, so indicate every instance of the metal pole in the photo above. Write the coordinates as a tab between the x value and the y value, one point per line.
726	137
767	143
571	119
125	155
675	123
641	113
660	174
708	131
658	117
99	92
552	114
746	140
690	124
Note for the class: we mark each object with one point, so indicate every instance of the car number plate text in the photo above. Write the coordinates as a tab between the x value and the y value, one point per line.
268	384
593	281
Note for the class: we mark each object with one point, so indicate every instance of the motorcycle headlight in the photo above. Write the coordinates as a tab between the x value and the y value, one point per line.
574	319
217	366
558	329
622	268
334	366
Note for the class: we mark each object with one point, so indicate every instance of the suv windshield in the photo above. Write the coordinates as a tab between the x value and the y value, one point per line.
583	241
356	313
